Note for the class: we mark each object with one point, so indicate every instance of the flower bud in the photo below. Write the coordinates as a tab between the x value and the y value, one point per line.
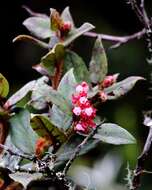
103	96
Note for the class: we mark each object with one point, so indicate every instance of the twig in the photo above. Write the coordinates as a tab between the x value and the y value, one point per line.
32	13
78	149
118	39
31	158
147	23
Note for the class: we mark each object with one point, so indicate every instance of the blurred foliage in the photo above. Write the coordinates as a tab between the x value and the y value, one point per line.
111	18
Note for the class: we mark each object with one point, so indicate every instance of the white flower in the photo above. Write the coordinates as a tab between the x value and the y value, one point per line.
79	89
83	100
79	127
88	111
77	110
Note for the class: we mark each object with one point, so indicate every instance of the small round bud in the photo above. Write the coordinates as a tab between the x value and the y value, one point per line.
103	96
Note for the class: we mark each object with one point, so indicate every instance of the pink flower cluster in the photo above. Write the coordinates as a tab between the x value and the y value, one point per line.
83	111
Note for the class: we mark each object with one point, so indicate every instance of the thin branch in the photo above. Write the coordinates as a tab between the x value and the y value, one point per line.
78	149
32	13
144	13
137	10
31	158
118	39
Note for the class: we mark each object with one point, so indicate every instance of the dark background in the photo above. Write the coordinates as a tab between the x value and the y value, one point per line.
109	17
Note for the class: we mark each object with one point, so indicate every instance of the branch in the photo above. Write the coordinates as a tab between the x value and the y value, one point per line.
118	39
144	155
78	149
147	23
31	158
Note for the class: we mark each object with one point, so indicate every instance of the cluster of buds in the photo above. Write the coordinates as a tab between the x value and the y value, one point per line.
107	82
84	112
65	29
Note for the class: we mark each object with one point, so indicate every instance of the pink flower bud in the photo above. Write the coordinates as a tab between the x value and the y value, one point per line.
85	86
108	81
67	26
77	111
103	96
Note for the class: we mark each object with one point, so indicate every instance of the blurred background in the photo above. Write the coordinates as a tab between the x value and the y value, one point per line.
106	165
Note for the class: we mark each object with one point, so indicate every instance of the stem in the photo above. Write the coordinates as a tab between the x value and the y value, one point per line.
141	161
58	74
31	158
78	149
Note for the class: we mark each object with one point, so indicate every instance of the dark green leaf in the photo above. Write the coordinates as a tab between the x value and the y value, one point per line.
75	33
114	134
22	135
120	88
4	86
39	26
44	128
98	63
72	60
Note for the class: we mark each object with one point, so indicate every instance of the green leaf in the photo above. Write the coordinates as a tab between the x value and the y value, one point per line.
114	134
75	33
25	178
20	94
39	26
121	88
98	64
44	128
60	118
72	60
21	133
43	94
66	16
67	86
4	86
49	61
